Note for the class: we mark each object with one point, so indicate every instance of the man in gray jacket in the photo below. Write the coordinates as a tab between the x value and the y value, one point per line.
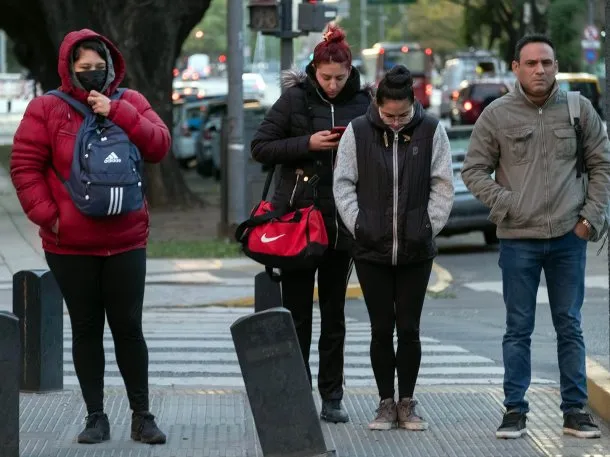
549	197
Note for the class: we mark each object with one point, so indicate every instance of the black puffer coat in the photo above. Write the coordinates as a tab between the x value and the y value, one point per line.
283	139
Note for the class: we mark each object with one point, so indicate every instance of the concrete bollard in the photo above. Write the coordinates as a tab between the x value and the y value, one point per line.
272	367
9	385
38	303
267	292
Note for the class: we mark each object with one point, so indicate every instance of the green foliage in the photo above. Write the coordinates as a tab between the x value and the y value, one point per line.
214	28
434	23
176	249
566	22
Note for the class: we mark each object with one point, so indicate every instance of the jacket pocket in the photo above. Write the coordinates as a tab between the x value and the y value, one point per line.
418	226
565	142
518	142
364	233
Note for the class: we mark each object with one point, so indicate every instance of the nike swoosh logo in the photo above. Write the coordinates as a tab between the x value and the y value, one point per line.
264	238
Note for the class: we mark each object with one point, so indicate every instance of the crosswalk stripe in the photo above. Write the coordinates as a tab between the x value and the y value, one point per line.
193	347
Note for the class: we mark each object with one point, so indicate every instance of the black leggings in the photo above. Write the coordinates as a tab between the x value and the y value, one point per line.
297	296
95	286
394	298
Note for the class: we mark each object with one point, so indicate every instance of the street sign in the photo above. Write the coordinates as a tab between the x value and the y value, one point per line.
591	33
591	56
388	2
588	44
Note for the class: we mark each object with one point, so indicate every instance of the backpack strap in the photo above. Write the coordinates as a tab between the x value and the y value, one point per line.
78	106
81	107
118	94
574	110
574	106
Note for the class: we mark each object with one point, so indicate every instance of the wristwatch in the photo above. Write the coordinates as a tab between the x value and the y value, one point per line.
586	223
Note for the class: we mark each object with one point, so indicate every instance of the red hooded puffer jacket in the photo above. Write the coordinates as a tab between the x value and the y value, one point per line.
46	137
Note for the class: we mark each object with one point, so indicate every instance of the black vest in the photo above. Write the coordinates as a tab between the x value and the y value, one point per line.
393	190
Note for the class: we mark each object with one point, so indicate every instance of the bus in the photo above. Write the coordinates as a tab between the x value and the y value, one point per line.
376	61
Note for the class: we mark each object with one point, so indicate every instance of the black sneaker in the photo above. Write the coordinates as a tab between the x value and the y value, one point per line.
580	424
144	429
96	430
513	425
333	412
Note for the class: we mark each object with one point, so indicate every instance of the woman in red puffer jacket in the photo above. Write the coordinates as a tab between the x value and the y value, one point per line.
99	263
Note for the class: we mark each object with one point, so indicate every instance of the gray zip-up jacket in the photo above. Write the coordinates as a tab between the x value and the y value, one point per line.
532	150
394	190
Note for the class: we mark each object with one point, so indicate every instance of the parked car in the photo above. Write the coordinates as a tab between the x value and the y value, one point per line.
585	83
468	213
465	66
187	123
208	141
254	86
473	98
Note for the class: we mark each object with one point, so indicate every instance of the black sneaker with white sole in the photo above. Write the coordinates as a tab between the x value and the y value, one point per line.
513	425
580	424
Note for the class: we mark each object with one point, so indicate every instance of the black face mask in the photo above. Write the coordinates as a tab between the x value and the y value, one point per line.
92	79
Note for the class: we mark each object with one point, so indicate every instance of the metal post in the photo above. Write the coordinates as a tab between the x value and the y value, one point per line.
10	352
3	51
591	13
236	162
363	25
286	45
607	112
381	23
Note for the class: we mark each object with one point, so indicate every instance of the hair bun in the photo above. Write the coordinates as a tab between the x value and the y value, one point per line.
399	76
334	34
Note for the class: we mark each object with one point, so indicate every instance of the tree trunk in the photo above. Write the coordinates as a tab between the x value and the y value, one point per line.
148	34
607	109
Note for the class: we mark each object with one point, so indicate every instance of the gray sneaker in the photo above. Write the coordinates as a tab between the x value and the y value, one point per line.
385	418
407	417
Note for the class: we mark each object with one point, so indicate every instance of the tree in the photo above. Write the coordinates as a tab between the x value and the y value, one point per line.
149	35
500	24
214	29
566	22
432	23
607	110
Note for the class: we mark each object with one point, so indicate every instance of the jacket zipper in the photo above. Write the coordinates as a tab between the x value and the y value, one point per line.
333	152
546	173
332	168
298	172
395	200
546	157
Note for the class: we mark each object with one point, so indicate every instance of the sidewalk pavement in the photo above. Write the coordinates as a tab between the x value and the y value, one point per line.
218	422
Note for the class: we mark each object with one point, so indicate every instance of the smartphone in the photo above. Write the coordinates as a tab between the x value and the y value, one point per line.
338	129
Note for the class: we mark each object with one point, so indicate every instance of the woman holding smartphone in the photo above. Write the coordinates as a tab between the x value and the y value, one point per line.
297	134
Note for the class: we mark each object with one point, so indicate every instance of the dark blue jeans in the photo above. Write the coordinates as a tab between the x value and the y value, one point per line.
563	260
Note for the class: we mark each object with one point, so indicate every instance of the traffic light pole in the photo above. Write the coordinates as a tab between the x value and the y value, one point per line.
234	168
286	36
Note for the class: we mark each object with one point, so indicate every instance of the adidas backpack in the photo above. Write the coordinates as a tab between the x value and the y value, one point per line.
105	178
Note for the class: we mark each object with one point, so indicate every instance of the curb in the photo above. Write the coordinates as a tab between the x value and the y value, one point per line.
354	292
598	386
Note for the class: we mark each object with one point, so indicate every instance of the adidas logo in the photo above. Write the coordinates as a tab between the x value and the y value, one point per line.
112	158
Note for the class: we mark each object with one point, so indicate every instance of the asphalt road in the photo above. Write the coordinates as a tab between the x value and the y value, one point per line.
471	312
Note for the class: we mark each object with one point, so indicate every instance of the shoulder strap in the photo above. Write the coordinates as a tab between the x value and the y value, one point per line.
268	182
574	106
574	110
118	94
78	106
